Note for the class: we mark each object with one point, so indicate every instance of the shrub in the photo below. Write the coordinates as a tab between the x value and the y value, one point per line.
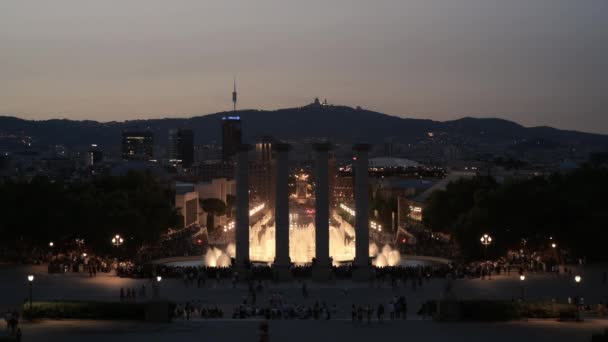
600	338
495	310
85	310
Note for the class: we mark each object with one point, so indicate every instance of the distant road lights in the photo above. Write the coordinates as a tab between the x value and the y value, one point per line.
51	244
117	240
553	245
578	279
522	277
30	278
159	279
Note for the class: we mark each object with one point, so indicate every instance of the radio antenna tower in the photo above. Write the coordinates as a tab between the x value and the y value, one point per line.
234	97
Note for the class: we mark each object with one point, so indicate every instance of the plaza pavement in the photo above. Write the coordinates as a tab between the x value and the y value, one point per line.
307	331
106	287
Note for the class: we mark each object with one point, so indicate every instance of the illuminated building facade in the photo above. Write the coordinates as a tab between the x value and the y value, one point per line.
231	136
137	145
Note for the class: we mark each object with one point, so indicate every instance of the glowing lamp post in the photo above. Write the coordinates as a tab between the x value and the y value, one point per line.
51	244
157	286
117	240
577	280
30	280
522	278
486	240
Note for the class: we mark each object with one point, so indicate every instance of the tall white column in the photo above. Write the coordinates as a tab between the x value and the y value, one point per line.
361	206
322	206
281	207
242	206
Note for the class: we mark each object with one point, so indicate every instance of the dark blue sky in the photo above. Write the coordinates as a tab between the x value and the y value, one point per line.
537	62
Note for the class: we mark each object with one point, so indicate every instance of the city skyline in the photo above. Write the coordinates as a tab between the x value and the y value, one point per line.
535	64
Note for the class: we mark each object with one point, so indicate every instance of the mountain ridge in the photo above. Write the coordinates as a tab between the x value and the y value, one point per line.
337	123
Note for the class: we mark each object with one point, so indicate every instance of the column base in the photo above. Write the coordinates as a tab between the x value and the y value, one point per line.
243	271
363	273
282	272
322	273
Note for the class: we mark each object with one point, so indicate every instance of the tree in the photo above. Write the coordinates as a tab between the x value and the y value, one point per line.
213	207
137	206
569	208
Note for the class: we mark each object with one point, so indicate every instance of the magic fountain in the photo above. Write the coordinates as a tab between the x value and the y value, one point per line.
302	245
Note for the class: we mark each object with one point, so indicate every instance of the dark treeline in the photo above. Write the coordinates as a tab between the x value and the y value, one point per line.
135	206
570	208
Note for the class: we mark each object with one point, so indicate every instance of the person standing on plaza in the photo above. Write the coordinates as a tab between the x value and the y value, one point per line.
7	319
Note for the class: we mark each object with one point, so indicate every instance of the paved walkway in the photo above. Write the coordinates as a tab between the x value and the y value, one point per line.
105	287
307	331
14	289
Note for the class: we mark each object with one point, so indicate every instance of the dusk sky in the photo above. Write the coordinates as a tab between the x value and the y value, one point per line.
537	62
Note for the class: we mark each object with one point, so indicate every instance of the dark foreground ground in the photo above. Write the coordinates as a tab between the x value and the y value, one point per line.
312	331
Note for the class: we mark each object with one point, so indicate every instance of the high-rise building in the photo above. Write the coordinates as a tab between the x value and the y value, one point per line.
389	148
137	145
231	136
95	155
181	146
261	171
211	169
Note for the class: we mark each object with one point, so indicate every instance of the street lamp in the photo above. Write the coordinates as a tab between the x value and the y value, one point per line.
522	278
30	280
156	286
553	245
577	280
51	244
117	240
486	240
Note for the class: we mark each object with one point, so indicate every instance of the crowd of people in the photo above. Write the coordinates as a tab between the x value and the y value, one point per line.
11	318
80	262
196	309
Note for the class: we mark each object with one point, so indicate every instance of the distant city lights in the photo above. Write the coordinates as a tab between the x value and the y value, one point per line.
373	224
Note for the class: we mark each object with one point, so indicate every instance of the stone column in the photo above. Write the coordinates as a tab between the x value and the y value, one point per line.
281	212
322	267
361	168
242	207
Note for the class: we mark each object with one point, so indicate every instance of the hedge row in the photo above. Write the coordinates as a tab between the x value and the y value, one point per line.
600	337
85	310
494	310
